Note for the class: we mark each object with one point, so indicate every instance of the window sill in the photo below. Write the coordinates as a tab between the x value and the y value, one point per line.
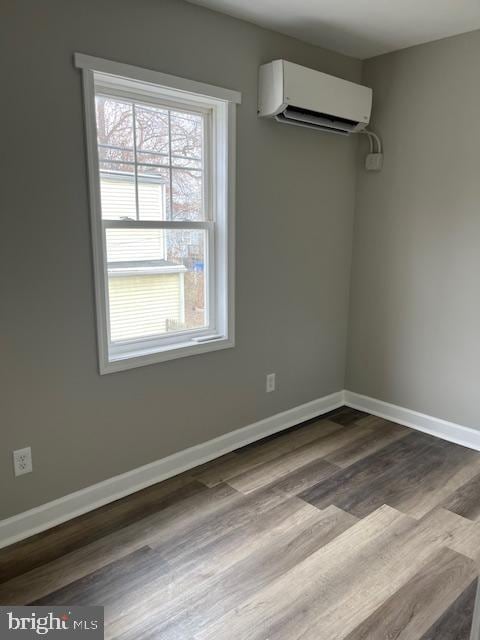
171	352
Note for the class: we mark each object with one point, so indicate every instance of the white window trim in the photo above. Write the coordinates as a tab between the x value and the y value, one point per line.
147	82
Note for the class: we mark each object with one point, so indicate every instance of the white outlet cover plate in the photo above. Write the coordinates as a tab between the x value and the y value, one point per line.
270	382
22	461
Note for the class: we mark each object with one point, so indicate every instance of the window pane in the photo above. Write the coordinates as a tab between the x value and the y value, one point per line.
149	157
187	195
110	153
152	131
117	191
156	281
114	129
153	193
187	139
187	248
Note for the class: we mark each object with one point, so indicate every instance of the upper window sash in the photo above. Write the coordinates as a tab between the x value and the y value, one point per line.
161	156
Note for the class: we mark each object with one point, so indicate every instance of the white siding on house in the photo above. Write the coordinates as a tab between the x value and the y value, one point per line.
152	202
141	305
127	245
119	199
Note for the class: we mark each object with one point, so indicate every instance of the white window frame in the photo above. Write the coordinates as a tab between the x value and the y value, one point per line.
146	85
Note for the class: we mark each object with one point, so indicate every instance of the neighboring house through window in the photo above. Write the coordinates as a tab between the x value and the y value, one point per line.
161	170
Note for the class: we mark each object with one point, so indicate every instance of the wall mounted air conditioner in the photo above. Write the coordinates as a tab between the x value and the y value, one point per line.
296	95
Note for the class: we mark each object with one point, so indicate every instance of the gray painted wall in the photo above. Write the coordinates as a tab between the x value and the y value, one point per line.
415	306
294	225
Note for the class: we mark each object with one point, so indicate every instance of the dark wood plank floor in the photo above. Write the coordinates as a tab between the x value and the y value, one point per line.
347	527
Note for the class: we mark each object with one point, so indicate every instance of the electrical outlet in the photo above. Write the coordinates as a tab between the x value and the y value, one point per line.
22	461
270	382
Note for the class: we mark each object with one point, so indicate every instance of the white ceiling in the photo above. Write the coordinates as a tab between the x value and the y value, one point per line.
359	28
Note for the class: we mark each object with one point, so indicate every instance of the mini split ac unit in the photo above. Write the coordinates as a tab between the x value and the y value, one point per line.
296	95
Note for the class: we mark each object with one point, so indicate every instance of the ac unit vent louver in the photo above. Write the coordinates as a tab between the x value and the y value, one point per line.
313	120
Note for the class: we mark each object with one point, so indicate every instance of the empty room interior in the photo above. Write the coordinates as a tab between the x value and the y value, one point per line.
240	320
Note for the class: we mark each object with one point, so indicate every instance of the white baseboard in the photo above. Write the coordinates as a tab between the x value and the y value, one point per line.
75	504
53	513
457	433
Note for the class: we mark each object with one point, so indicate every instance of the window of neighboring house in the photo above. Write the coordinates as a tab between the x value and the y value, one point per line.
161	164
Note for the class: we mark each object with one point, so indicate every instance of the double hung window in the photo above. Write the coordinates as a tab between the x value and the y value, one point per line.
161	170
